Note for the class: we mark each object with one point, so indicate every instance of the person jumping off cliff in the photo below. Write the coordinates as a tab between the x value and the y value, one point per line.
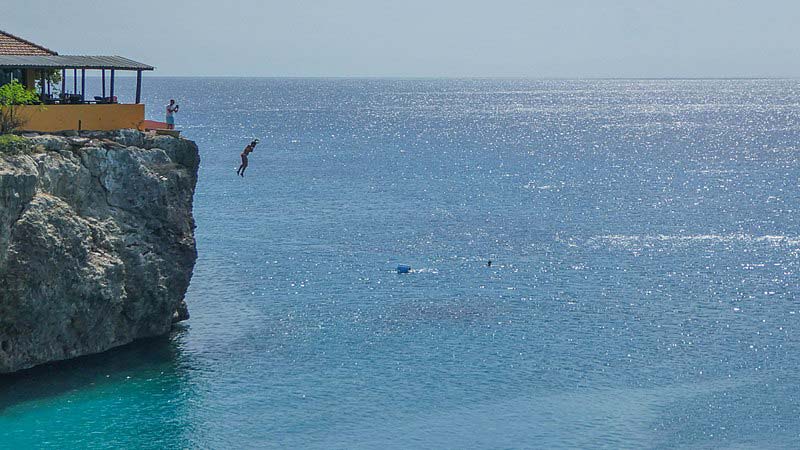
247	150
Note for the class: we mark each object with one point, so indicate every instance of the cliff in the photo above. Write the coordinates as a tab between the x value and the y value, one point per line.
96	242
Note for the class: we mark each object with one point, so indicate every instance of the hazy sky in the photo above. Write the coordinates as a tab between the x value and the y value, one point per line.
556	38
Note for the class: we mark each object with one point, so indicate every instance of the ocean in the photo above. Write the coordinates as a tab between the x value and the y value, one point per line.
643	290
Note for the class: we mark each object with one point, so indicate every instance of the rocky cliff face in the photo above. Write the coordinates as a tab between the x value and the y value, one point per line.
96	242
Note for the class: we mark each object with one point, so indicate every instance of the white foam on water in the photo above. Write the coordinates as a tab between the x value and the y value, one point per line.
544	187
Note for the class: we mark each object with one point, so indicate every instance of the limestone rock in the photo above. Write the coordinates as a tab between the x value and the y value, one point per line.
96	243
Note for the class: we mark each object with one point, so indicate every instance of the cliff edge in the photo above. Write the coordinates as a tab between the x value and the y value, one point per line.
96	242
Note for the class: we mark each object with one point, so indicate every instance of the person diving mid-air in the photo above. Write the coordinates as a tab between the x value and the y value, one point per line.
247	150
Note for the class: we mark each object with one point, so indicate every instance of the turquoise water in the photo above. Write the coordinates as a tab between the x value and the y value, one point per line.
643	291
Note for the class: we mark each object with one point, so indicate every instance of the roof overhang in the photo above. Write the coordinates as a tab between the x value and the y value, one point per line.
70	62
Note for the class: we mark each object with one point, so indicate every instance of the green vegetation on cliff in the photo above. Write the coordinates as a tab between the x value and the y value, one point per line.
13	144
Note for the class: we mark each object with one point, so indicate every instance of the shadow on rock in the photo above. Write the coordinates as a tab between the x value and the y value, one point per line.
146	357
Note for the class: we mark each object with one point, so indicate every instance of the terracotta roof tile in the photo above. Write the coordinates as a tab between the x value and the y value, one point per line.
13	45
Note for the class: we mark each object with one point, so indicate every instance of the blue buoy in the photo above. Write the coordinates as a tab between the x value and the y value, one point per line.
402	268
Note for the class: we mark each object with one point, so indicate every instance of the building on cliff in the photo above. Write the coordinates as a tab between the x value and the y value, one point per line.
72	109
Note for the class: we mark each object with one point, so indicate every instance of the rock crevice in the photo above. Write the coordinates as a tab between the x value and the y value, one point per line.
96	243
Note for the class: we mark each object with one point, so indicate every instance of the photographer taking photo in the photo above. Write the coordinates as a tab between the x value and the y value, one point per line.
172	108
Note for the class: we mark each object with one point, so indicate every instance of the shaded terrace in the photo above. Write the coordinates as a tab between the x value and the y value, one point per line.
38	67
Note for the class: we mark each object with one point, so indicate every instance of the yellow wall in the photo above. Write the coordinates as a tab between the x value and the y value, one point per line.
91	117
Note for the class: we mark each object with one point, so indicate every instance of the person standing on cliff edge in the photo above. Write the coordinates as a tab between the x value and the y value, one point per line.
247	150
172	108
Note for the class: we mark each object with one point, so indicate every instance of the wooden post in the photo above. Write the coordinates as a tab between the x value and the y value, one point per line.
63	81
138	87
83	85
104	83
112	85
41	82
